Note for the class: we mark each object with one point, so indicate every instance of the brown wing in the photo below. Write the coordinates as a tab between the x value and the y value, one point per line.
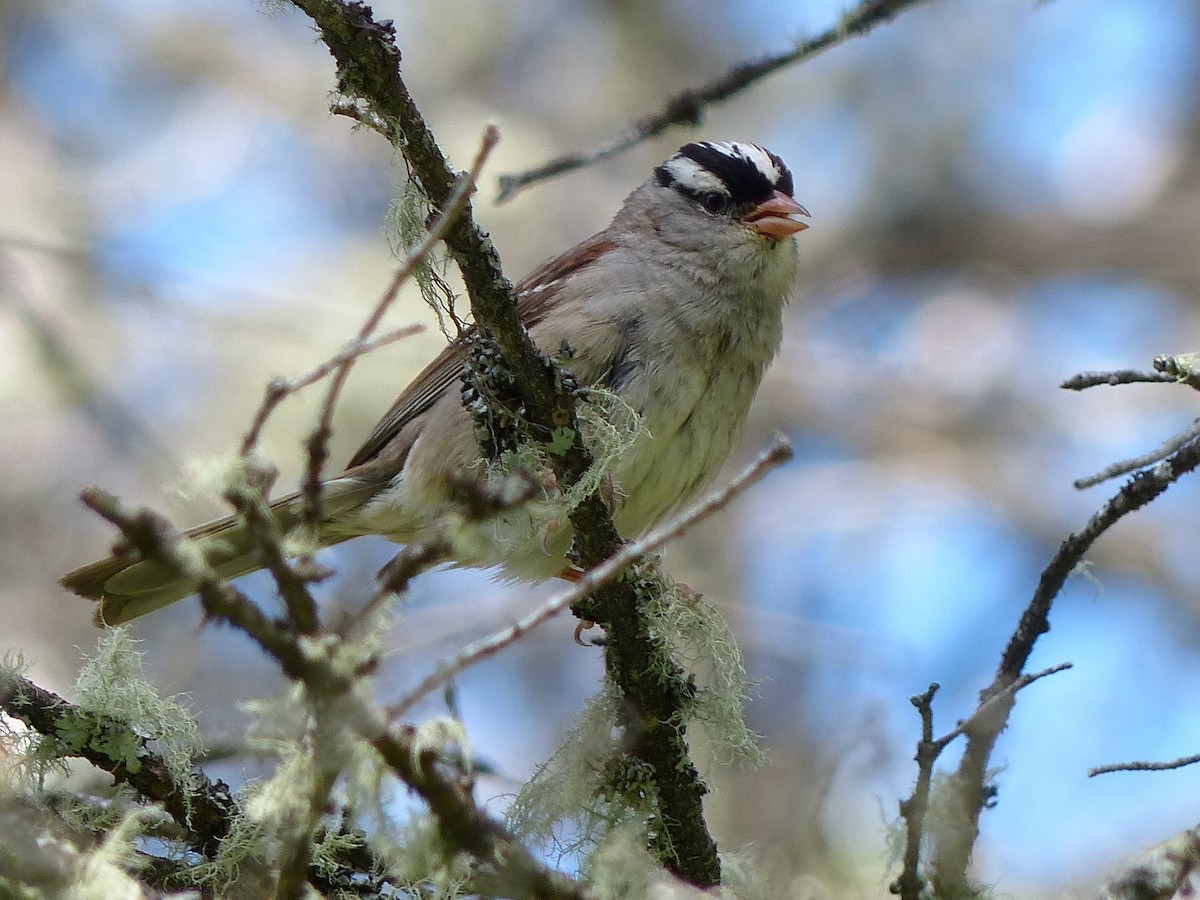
536	295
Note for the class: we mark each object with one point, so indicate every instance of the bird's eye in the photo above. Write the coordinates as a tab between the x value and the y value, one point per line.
715	201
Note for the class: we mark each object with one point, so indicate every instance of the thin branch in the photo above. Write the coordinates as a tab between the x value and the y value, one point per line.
1124	467
1085	380
252	504
971	793
454	206
688	106
779	451
329	674
479	501
1143	766
248	497
1141	489
157	539
970	779
909	885
984	713
279	389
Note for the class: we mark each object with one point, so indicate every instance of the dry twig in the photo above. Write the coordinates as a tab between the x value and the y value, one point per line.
972	793
1085	380
778	452
454	207
1143	766
687	107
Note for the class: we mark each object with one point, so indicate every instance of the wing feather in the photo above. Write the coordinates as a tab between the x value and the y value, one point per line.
536	296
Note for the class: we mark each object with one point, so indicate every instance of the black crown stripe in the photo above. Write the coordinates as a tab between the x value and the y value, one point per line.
746	182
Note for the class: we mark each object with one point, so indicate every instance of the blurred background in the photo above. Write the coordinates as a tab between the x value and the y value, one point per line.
1003	192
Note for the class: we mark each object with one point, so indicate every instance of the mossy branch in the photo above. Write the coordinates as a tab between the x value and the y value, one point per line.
202	809
329	669
657	691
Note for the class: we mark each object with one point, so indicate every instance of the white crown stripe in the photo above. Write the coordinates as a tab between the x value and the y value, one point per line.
751	153
694	176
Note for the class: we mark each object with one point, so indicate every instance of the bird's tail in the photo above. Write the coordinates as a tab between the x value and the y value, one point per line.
127	586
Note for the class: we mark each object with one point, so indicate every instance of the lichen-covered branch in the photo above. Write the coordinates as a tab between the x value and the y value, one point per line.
451	210
657	692
1167	872
203	810
329	669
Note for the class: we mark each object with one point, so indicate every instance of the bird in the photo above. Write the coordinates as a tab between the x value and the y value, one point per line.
676	307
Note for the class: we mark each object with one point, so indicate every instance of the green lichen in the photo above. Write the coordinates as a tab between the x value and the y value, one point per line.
699	637
404	228
113	684
565	807
609	427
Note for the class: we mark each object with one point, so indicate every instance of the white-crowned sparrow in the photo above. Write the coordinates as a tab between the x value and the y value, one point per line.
676	307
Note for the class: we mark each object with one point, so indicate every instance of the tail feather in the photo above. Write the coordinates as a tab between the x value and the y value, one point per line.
127	586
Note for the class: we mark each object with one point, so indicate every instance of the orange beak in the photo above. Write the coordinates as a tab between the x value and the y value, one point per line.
777	216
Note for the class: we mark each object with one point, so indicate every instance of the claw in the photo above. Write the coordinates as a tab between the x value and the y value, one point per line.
584	625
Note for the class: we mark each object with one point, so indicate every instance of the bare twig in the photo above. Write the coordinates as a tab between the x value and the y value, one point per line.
1181	368
1124	467
252	504
1085	380
971	792
451	210
779	451
688	107
1141	489
983	713
910	884
970	778
280	389
248	497
479	502
292	585
1144	766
